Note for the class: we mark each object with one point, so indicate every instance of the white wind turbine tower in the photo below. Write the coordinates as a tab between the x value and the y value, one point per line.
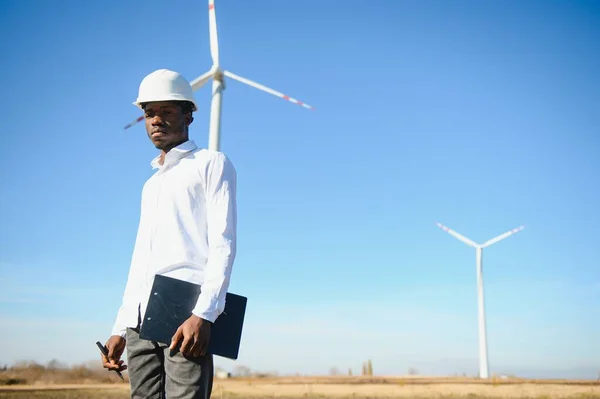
218	74
483	352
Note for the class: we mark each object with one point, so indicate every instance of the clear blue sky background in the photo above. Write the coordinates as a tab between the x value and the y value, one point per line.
481	115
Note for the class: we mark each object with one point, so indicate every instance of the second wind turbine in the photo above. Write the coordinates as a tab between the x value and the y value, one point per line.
483	351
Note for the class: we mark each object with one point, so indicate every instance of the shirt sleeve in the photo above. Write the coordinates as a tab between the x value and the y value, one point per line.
221	219
128	311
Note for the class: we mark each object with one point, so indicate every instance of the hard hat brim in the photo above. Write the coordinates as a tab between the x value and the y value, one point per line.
138	103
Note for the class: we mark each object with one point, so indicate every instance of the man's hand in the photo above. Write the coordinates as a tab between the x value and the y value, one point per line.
116	347
194	335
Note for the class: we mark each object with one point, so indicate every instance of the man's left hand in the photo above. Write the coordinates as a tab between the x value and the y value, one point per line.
194	335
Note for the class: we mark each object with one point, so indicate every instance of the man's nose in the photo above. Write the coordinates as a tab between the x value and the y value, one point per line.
157	120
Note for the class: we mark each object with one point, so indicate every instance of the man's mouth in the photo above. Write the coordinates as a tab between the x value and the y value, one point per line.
157	133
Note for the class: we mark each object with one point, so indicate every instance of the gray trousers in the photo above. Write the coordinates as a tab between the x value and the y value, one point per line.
155	374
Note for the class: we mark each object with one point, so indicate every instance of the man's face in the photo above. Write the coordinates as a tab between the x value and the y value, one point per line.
166	124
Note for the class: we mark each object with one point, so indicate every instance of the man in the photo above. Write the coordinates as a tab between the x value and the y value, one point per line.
187	230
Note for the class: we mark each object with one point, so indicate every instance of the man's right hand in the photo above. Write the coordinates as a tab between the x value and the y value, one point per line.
116	347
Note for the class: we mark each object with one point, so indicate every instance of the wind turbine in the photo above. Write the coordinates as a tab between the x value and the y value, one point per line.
483	352
218	85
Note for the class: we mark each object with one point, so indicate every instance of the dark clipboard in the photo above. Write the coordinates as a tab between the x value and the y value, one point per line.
171	302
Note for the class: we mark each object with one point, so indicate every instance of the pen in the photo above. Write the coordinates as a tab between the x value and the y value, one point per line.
105	353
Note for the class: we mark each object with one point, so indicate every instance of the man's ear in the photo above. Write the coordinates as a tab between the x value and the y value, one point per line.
190	119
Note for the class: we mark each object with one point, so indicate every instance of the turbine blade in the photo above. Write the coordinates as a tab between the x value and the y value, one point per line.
502	236
457	235
141	118
265	88
201	80
212	30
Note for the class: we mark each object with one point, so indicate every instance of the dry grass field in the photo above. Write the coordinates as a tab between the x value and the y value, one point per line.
80	382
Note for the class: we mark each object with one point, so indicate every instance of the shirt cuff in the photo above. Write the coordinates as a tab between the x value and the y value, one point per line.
208	306
121	332
209	315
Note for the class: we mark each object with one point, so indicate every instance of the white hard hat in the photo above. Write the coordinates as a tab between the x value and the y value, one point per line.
165	85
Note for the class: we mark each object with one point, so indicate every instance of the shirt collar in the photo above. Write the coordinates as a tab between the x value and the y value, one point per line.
174	154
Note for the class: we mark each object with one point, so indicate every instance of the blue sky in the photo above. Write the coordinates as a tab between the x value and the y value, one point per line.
481	115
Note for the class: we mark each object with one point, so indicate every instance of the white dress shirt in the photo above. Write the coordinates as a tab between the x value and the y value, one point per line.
187	230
